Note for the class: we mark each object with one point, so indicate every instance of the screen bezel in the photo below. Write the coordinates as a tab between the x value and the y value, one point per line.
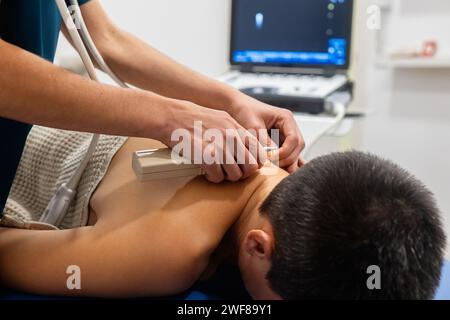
292	65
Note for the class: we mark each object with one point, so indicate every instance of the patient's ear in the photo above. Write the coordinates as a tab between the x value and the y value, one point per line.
259	244
255	261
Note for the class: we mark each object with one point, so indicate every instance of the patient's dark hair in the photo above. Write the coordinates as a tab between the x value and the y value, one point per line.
344	212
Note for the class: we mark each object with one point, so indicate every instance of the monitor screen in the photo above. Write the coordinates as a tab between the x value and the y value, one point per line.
303	33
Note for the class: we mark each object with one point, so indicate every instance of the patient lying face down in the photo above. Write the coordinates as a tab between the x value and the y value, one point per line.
312	235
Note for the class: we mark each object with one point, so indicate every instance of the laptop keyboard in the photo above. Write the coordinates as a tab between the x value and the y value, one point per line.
312	86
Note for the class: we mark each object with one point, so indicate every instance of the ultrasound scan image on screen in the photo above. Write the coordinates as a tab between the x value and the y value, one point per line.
292	32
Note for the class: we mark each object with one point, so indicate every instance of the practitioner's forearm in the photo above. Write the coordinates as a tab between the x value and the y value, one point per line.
36	92
138	63
145	67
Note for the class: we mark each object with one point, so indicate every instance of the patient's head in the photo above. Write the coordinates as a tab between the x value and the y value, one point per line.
336	217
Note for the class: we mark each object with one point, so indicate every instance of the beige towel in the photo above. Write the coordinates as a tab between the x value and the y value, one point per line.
49	159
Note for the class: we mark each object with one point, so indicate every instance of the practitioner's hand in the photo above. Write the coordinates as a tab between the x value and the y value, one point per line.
222	160
253	114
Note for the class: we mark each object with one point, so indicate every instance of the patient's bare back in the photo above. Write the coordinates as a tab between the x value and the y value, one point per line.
151	238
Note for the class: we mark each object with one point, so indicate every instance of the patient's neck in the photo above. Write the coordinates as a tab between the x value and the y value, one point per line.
228	250
251	218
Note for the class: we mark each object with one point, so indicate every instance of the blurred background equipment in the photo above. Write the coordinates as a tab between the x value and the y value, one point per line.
289	53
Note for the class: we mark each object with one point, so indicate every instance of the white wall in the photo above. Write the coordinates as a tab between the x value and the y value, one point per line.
407	24
194	32
415	21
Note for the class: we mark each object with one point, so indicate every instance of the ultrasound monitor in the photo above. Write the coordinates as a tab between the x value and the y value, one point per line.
292	33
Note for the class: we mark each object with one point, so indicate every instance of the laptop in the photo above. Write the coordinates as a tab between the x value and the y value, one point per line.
290	53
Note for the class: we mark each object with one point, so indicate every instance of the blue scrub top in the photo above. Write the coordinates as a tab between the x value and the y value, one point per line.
32	25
